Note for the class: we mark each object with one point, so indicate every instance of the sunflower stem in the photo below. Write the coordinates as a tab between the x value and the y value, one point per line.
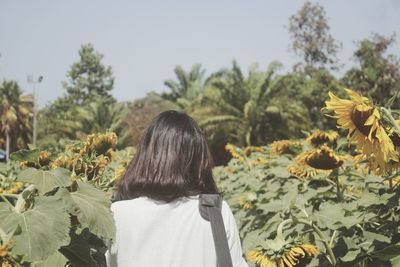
6	200
331	256
335	175
10	195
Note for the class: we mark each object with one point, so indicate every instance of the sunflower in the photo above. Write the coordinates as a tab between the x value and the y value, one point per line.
13	188
288	256
319	137
118	173
236	152
250	149
366	129
323	158
5	259
286	147
102	144
303	172
246	202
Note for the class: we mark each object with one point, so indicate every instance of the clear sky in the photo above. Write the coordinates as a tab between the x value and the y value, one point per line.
144	40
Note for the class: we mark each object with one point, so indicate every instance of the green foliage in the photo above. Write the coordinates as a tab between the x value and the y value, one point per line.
378	73
15	117
43	228
46	218
80	121
188	88
239	103
360	229
87	105
141	112
88	78
309	31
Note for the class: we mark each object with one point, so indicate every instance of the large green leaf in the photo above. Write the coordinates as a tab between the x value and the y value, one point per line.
44	228
330	215
46	181
55	260
8	222
92	207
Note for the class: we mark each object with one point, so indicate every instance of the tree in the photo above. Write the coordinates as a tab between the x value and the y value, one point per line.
141	112
15	116
188	87
311	40
247	108
88	78
377	73
89	81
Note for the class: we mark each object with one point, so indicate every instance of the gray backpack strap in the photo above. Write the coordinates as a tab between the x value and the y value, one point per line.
210	209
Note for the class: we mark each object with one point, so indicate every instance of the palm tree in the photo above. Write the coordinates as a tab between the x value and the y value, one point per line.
238	104
187	89
15	114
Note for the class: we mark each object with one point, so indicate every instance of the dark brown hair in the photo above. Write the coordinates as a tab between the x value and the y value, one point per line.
172	160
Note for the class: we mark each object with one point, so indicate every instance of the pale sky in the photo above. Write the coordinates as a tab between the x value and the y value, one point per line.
144	40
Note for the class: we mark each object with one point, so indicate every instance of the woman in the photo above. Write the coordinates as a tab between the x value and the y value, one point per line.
156	209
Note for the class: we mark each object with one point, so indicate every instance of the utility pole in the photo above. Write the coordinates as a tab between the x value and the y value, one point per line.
34	82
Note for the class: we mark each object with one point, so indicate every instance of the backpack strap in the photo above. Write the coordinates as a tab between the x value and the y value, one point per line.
210	209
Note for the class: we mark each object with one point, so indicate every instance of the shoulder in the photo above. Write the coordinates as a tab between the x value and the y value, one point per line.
121	204
226	210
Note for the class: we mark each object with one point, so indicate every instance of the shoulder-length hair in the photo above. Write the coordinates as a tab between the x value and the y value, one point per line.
172	160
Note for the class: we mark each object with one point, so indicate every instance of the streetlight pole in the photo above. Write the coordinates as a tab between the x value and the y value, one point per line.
34	82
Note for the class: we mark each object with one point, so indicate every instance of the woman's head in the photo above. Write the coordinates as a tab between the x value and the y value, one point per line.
172	160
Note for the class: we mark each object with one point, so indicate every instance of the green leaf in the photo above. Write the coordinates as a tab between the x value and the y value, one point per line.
375	236
55	260
395	261
26	155
46	181
44	228
388	252
8	222
369	199
350	255
92	207
330	215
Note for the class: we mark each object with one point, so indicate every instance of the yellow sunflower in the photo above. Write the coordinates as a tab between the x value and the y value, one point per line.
250	149
323	158
319	137
303	172
286	147
364	123
285	257
246	202
236	152
100	143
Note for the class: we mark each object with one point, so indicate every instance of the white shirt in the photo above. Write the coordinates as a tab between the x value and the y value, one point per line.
152	233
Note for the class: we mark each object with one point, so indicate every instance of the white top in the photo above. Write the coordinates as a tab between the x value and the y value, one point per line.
151	233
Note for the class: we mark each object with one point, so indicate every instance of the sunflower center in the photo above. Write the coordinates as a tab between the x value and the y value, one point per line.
395	139
359	116
323	160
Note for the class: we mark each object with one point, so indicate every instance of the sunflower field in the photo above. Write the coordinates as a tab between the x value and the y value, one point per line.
330	199
325	200
55	208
